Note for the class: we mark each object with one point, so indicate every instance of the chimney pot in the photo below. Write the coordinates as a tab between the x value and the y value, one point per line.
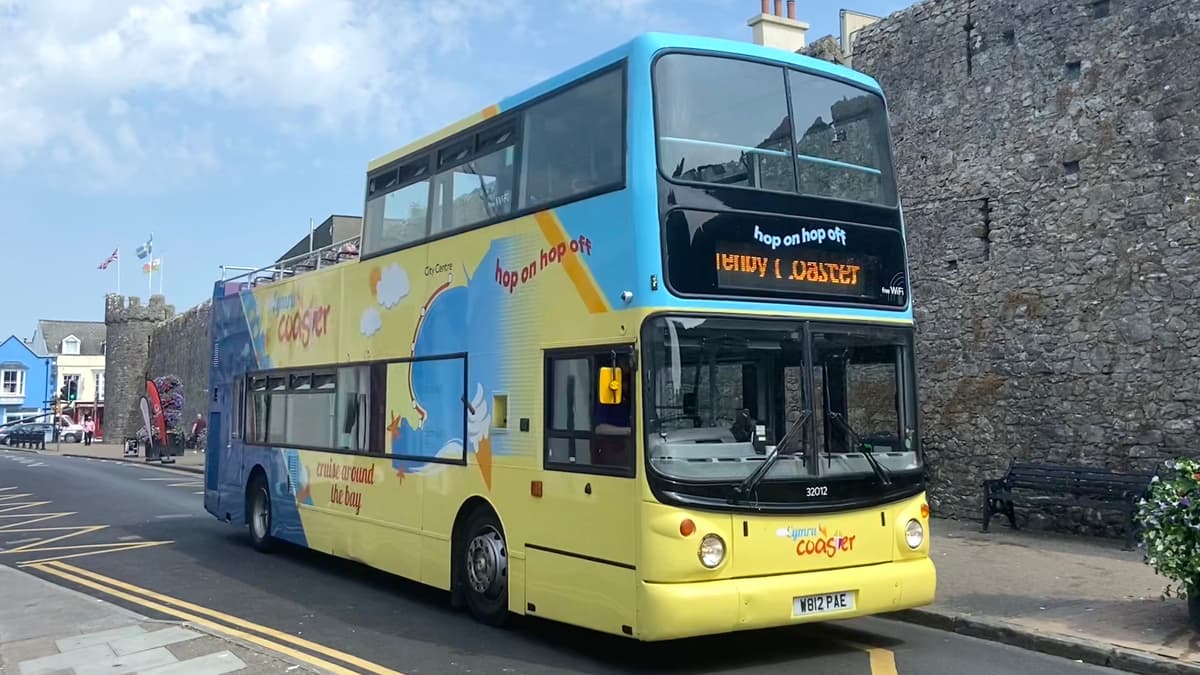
792	10
766	6
778	7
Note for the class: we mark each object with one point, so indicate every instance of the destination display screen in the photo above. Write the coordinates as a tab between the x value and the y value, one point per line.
740	266
785	258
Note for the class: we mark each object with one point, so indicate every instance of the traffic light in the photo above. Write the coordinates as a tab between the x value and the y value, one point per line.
73	390
62	392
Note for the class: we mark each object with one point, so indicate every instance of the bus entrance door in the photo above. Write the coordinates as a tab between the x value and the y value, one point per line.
580	564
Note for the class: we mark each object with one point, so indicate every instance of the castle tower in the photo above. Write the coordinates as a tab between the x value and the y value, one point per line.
130	325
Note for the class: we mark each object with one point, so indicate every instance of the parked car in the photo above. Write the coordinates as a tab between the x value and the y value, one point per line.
25	433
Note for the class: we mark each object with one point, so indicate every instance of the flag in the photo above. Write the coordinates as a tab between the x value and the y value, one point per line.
145	249
151	266
108	261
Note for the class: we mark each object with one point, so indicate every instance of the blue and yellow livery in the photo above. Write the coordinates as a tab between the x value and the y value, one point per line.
630	350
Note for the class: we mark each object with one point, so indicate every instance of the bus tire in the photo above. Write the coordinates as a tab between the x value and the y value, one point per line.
483	566
258	514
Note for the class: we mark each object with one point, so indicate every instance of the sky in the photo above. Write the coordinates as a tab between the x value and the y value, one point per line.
221	127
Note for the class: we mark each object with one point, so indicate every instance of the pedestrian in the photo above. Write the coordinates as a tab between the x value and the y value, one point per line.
197	428
89	429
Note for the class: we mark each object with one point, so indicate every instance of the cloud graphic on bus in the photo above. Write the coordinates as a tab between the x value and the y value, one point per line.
393	286
371	322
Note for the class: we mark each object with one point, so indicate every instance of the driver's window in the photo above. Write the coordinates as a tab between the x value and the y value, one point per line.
583	434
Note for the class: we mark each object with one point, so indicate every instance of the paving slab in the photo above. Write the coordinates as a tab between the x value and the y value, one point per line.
209	664
159	638
129	663
100	637
65	660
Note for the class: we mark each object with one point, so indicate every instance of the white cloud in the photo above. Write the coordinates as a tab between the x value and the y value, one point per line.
74	71
393	285
371	322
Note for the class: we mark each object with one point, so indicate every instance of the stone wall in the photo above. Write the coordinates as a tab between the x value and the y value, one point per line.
129	325
181	347
1047	157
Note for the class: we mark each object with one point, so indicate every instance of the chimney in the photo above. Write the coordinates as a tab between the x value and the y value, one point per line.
773	29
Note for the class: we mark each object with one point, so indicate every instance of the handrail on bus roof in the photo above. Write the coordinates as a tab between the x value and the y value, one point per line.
297	264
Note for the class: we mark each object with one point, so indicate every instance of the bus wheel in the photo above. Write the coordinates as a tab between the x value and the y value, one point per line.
259	514
485	569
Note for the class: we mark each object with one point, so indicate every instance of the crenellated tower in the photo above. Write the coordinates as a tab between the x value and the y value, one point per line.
130	325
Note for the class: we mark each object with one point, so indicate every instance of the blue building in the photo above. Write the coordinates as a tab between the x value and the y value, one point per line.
26	380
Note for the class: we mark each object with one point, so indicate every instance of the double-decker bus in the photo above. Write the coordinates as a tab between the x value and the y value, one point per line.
631	350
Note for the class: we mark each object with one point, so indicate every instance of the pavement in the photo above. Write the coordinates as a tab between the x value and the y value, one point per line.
46	628
1079	597
191	461
136	535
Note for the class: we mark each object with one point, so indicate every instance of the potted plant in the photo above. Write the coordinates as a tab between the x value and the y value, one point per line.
1170	520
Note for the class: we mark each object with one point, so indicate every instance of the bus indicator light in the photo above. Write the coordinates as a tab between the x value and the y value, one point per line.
687	527
535	488
924	510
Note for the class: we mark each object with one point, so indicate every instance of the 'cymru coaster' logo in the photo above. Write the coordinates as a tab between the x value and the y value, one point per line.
818	540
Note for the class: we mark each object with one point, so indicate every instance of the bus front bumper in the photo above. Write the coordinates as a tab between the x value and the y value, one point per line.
669	611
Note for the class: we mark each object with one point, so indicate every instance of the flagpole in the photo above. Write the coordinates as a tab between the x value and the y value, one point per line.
150	280
160	276
118	271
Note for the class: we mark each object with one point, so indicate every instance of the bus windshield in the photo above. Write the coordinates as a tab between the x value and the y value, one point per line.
724	121
722	392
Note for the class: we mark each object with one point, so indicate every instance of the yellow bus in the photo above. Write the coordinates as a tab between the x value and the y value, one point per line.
630	350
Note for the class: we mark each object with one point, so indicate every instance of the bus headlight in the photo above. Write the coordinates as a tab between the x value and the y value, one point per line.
914	534
712	551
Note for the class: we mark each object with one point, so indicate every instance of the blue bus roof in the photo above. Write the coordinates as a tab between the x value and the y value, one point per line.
642	47
647	44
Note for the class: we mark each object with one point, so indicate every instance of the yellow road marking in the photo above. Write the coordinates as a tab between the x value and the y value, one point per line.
48	568
109	548
22	505
33	518
883	661
23	520
83	529
232	620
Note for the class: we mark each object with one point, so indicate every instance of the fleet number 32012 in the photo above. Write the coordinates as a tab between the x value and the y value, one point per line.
817	491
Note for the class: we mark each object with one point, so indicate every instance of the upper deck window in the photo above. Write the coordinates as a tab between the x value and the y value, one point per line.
724	121
564	147
399	217
574	143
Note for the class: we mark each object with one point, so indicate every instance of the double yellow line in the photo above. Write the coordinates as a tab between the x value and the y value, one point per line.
300	649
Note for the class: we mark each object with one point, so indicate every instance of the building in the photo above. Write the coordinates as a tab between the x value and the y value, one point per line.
78	349
335	229
26	380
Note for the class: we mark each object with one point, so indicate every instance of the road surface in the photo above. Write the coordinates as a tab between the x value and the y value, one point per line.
138	535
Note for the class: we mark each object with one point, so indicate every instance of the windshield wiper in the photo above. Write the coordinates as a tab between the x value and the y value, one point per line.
865	448
755	478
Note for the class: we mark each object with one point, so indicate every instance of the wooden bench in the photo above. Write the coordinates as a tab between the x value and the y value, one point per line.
1066	485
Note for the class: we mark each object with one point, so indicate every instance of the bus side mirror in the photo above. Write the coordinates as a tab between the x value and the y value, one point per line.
610	386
